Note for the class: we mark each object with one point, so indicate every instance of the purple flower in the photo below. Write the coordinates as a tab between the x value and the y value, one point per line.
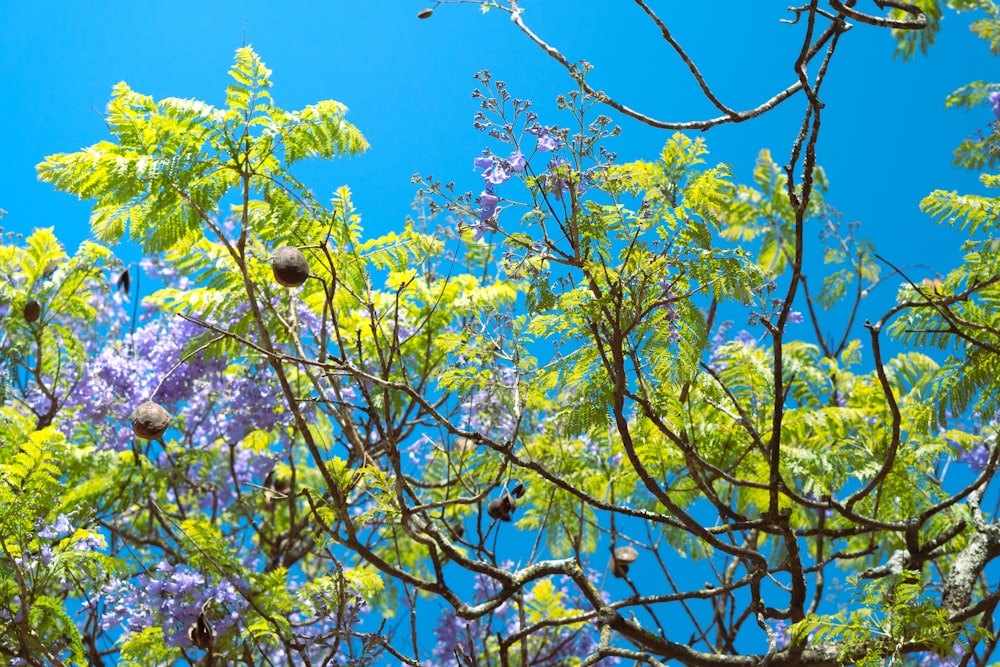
976	457
483	162
449	633
546	142
486	410
495	175
994	99
487	205
781	634
173	598
795	317
745	338
46	553
928	659
516	161
91	542
62	525
553	182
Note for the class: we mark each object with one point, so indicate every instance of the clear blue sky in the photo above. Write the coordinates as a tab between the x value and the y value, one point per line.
887	137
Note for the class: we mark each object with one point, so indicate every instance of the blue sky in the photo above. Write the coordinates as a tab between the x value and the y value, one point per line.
887	137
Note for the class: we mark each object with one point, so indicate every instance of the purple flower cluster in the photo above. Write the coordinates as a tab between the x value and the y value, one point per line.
977	457
458	637
488	410
929	659
546	140
782	634
599	452
495	170
211	401
172	598
719	340
671	316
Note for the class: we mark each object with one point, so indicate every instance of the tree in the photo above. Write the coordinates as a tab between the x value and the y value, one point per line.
534	428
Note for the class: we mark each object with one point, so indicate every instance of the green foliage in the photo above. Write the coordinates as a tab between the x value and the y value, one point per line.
970	213
147	647
175	161
908	41
765	215
889	616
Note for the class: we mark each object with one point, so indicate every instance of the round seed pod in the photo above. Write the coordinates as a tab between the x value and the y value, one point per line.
425	13
32	311
289	266
150	420
621	558
500	508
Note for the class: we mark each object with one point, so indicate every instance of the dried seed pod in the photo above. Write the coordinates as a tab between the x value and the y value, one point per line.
621	558
50	268
425	13
201	633
32	311
457	531
289	266
150	420
501	508
276	487
123	282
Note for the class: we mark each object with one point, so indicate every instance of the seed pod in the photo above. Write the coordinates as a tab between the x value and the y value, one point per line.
425	13
621	558
32	311
123	282
201	633
289	266
456	530
500	508
150	420
276	487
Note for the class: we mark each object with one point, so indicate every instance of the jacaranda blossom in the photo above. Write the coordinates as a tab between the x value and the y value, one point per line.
487	205
546	142
516	161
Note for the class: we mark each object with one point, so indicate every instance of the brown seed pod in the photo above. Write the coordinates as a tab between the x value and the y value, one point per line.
500	508
425	13
621	558
289	266
150	420
276	488
32	311
202	634
457	531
